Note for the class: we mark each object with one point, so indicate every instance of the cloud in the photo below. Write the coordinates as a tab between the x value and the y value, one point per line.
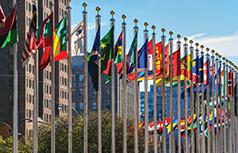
92	26
225	45
196	36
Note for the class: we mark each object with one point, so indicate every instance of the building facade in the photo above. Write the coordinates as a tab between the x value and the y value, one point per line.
26	74
78	90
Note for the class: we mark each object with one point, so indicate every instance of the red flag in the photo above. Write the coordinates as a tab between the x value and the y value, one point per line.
230	84
30	42
45	32
45	59
158	54
45	41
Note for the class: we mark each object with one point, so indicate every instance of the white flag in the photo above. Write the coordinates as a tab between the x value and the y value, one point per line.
77	39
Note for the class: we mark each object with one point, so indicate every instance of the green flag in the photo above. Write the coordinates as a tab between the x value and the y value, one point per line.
107	53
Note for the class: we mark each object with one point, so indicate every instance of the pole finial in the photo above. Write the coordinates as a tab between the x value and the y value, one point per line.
163	30
197	44
153	27
123	16
98	9
85	5
171	33
213	51
185	39
112	12
202	46
207	49
191	42
178	36
146	24
135	21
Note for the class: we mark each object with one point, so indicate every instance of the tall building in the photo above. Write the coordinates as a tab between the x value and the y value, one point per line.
159	102
78	90
26	75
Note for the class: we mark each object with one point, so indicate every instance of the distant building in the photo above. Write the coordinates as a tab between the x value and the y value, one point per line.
78	88
78	91
159	102
26	75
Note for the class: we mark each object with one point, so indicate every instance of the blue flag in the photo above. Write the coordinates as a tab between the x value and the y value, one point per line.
92	59
143	56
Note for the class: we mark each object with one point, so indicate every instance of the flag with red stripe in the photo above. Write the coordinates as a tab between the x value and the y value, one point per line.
30	42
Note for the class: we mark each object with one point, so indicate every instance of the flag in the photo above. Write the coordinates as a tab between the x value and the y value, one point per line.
45	40
158	56
175	63
206	72
230	83
2	17
77	39
119	54
195	70
8	30
92	59
107	52
60	43
30	42
142	60
185	67
200	69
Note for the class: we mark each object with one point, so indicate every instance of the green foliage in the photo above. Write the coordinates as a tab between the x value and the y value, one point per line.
6	145
62	136
25	146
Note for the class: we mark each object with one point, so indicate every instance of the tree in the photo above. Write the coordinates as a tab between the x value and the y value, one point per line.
62	137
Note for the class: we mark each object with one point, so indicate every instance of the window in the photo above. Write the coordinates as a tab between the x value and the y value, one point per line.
29	7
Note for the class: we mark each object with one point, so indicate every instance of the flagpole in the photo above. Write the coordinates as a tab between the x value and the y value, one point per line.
85	86
207	100
52	92
217	103
146	97
230	106
186	96
192	100
197	105
163	37
224	105
203	107
136	100
36	100
221	105
113	89
124	87
213	103
171	150
179	98
70	139
98	18
154	91
15	96
233	108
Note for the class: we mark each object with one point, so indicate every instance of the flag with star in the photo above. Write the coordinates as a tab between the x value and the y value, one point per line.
107	51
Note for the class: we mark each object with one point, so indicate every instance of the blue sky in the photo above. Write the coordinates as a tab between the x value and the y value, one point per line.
210	22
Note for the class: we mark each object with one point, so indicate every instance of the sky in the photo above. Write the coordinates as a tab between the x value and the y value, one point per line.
212	23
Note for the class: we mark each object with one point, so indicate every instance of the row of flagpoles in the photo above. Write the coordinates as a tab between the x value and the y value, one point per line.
167	68
195	101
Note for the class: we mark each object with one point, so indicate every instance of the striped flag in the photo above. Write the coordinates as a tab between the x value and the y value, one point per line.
30	42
